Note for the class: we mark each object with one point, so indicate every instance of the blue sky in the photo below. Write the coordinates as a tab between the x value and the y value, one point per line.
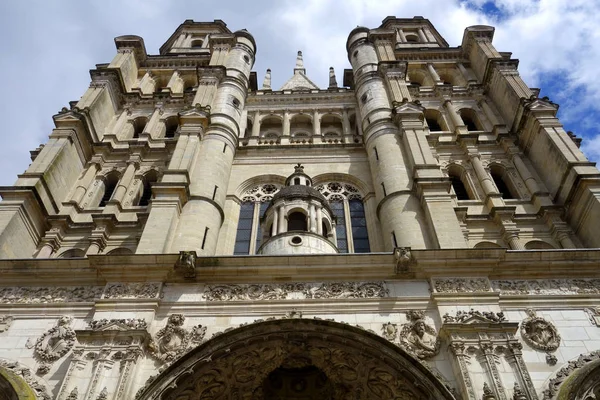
48	48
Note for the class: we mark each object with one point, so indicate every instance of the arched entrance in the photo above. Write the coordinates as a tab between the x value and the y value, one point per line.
296	359
13	387
579	380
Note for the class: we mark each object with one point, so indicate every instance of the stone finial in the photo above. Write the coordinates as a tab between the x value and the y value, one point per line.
332	81
299	169
267	81
299	64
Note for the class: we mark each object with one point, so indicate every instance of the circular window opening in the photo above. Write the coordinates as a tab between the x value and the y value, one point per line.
296	240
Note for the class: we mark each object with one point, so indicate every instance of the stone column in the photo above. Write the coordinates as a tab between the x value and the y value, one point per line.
422	35
282	228
512	238
84	183
312	216
256	125
319	220
434	73
125	180
529	180
402	35
484	178
345	127
274	225
466	74
458	122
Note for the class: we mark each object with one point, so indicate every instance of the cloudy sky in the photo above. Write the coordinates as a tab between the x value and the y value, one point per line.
48	48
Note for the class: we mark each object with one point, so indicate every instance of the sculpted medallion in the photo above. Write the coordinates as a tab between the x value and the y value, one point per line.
539	333
172	341
418	337
55	343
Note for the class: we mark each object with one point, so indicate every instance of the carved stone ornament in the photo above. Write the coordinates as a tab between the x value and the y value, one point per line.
330	290
403	258
474	315
56	342
172	341
539	333
460	285
568	370
418	337
132	291
40	390
74	395
593	314
547	286
5	322
488	393
186	264
44	295
118	324
354	364
518	393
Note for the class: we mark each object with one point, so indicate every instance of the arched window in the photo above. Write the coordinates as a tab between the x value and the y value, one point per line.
538	245
72	253
171	125
345	199
499	176
434	120
470	120
412	38
197	44
297	222
433	125
487	245
120	251
254	204
138	126
148	180
110	184
459	188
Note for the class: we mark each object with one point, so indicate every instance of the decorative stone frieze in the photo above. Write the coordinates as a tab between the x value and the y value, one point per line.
120	291
118	324
172	341
547	286
40	390
460	285
418	337
593	314
331	290
5	322
54	344
467	316
45	295
539	333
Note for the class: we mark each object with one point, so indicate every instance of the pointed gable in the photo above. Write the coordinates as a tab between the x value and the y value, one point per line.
299	81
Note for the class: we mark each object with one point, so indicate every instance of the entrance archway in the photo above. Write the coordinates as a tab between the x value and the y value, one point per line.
296	359
13	387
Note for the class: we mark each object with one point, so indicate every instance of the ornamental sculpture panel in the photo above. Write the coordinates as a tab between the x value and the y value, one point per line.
43	295
460	285
132	291
539	333
418	337
172	341
55	343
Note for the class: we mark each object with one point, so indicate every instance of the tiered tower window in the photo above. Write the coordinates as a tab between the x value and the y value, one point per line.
254	204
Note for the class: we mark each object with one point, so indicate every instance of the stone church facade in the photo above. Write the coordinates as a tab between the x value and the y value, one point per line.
422	228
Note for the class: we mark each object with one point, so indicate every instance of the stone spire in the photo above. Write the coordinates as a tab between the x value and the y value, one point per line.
299	64
332	81
267	81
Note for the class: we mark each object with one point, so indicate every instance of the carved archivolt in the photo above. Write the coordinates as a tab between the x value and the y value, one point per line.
358	364
172	341
55	343
539	333
40	390
578	380
331	290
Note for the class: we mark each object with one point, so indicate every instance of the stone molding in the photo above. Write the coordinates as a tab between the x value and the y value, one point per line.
330	290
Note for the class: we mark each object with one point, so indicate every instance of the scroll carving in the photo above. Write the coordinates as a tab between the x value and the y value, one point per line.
475	315
547	286
118	324
44	295
460	285
132	291
330	290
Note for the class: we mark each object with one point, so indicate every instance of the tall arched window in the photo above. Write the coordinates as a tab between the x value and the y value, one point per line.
470	119
148	179
138	126
110	184
499	176
171	125
346	203
254	204
297	222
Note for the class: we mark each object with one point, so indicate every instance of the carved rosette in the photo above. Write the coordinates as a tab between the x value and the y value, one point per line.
172	341
539	333
418	337
54	344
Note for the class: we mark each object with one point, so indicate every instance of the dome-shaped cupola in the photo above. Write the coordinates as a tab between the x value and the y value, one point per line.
298	220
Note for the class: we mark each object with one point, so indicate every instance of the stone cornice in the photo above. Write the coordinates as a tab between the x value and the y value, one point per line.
484	263
316	97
